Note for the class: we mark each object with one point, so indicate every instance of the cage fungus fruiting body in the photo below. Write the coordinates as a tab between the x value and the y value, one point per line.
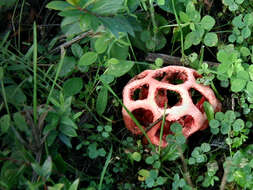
146	95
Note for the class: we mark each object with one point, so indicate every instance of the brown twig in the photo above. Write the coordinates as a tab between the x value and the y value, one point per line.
171	60
69	43
224	177
185	168
155	122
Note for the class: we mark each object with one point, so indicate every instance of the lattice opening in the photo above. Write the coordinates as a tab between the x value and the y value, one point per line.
160	76
196	75
140	93
186	121
144	116
175	78
170	97
197	98
166	130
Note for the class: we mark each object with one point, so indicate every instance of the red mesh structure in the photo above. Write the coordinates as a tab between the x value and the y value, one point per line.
147	93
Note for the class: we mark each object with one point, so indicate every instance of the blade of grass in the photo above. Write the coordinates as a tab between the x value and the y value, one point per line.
107	162
3	90
4	39
162	126
19	22
130	114
63	52
35	54
180	28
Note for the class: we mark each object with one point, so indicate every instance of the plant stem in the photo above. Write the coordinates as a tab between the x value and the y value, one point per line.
185	168
152	13
224	177
19	22
57	74
5	99
35	73
107	162
180	28
162	126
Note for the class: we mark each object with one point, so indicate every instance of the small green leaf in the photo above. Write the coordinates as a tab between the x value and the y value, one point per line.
225	128
237	21
249	88
210	39
15	95
146	35
205	147
112	61
238	84
105	7
238	125
88	21
230	116
191	161
207	22
108	128
58	5
157	164
68	66
74	185
144	173
250	69
20	122
68	130
219	116
100	128
239	1
1	73
117	24
120	69
73	2
248	19
215	131
36	167
57	186
72	86
214	123
180	139
200	158
243	75
246	32
107	78
159	62
67	121
176	128
77	50
101	44
245	51
102	100
232	38
149	160
160	2
47	167
208	110
160	180
105	134
65	140
88	58
136	156
5	123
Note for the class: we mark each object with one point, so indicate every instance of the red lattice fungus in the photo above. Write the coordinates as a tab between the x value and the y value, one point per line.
147	93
